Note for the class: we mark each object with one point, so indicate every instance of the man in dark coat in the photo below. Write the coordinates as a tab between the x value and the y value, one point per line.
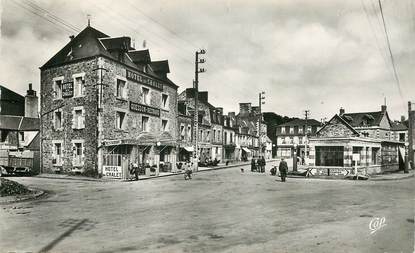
263	164
283	168
253	167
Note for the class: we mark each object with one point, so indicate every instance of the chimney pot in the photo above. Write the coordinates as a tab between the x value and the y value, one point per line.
342	111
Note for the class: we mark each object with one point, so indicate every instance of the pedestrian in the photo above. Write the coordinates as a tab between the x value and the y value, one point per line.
136	170
283	168
253	165
263	164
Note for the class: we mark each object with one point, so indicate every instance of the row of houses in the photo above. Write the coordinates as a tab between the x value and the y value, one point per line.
380	143
105	105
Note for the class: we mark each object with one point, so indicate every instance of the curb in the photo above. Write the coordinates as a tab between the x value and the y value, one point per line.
392	178
36	195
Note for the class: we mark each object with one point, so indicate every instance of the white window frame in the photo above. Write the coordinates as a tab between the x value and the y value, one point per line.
166	128
148	97
75	155
78	125
59	158
300	129
125	90
75	85
283	130
54	120
166	105
123	124
182	131
291	130
147	123
59	78
189	132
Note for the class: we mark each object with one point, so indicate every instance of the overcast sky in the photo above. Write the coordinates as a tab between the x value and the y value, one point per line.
318	55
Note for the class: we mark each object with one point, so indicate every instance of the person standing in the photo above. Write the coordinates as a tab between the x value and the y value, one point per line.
263	164
253	165
283	168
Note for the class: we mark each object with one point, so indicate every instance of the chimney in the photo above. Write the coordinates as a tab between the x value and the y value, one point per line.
231	114
403	118
220	110
31	103
341	112
383	108
71	37
244	109
203	96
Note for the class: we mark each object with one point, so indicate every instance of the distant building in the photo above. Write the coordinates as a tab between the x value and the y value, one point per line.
292	134
105	106
411	133
11	103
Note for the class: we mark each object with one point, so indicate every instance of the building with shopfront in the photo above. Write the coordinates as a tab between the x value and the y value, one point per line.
231	148
356	139
291	137
105	106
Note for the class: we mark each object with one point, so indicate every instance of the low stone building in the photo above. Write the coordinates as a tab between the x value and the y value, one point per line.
361	139
105	106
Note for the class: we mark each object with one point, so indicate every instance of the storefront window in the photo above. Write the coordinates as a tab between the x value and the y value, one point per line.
329	156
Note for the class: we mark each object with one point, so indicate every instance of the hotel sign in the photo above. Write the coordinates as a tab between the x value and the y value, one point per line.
67	89
112	171
136	77
144	109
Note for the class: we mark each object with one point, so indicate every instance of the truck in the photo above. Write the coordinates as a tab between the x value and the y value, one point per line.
16	162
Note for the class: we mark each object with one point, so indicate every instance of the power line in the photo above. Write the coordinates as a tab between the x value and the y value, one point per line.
390	51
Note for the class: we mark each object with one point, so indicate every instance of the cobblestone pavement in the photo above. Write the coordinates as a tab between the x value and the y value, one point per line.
216	211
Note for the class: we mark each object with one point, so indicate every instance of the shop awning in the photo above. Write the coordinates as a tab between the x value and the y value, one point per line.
246	150
188	149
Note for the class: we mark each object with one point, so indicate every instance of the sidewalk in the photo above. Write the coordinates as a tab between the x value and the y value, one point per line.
392	176
142	177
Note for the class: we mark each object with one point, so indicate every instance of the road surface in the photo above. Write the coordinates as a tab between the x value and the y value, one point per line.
217	211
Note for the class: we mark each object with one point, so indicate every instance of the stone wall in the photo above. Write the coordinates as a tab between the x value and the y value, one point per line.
48	105
335	129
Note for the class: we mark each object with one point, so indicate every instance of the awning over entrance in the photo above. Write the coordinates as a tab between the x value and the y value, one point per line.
246	150
188	149
148	139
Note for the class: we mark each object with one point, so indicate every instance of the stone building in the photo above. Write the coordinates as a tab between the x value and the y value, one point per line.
359	138
231	147
106	105
411	134
218	135
187	104
291	136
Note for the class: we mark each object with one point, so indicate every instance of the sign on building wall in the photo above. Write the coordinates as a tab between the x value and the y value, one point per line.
67	89
133	76
144	109
112	171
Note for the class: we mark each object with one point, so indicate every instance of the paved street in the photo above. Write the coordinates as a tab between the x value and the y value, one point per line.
217	211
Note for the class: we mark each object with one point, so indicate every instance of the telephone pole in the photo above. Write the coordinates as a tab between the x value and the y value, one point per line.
306	113
261	97
196	113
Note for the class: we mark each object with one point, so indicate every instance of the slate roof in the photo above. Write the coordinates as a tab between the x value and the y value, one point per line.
359	119
160	66
140	56
91	43
399	126
301	122
19	123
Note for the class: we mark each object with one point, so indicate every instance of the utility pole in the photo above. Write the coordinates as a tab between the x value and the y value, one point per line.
196	113
261	97
306	113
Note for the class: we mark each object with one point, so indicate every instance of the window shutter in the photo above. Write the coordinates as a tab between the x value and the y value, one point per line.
125	95
73	119
83	118
83	154
83	86
53	120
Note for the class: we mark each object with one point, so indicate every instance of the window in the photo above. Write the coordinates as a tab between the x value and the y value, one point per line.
78	153
283	130
214	134
121	89
300	129
21	135
226	138
231	137
329	156
218	135
144	123
189	132
291	130
308	129
78	121
58	120
57	154
401	137
165	101
164	125
120	120
57	87
79	85
208	136
182	133
146	95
